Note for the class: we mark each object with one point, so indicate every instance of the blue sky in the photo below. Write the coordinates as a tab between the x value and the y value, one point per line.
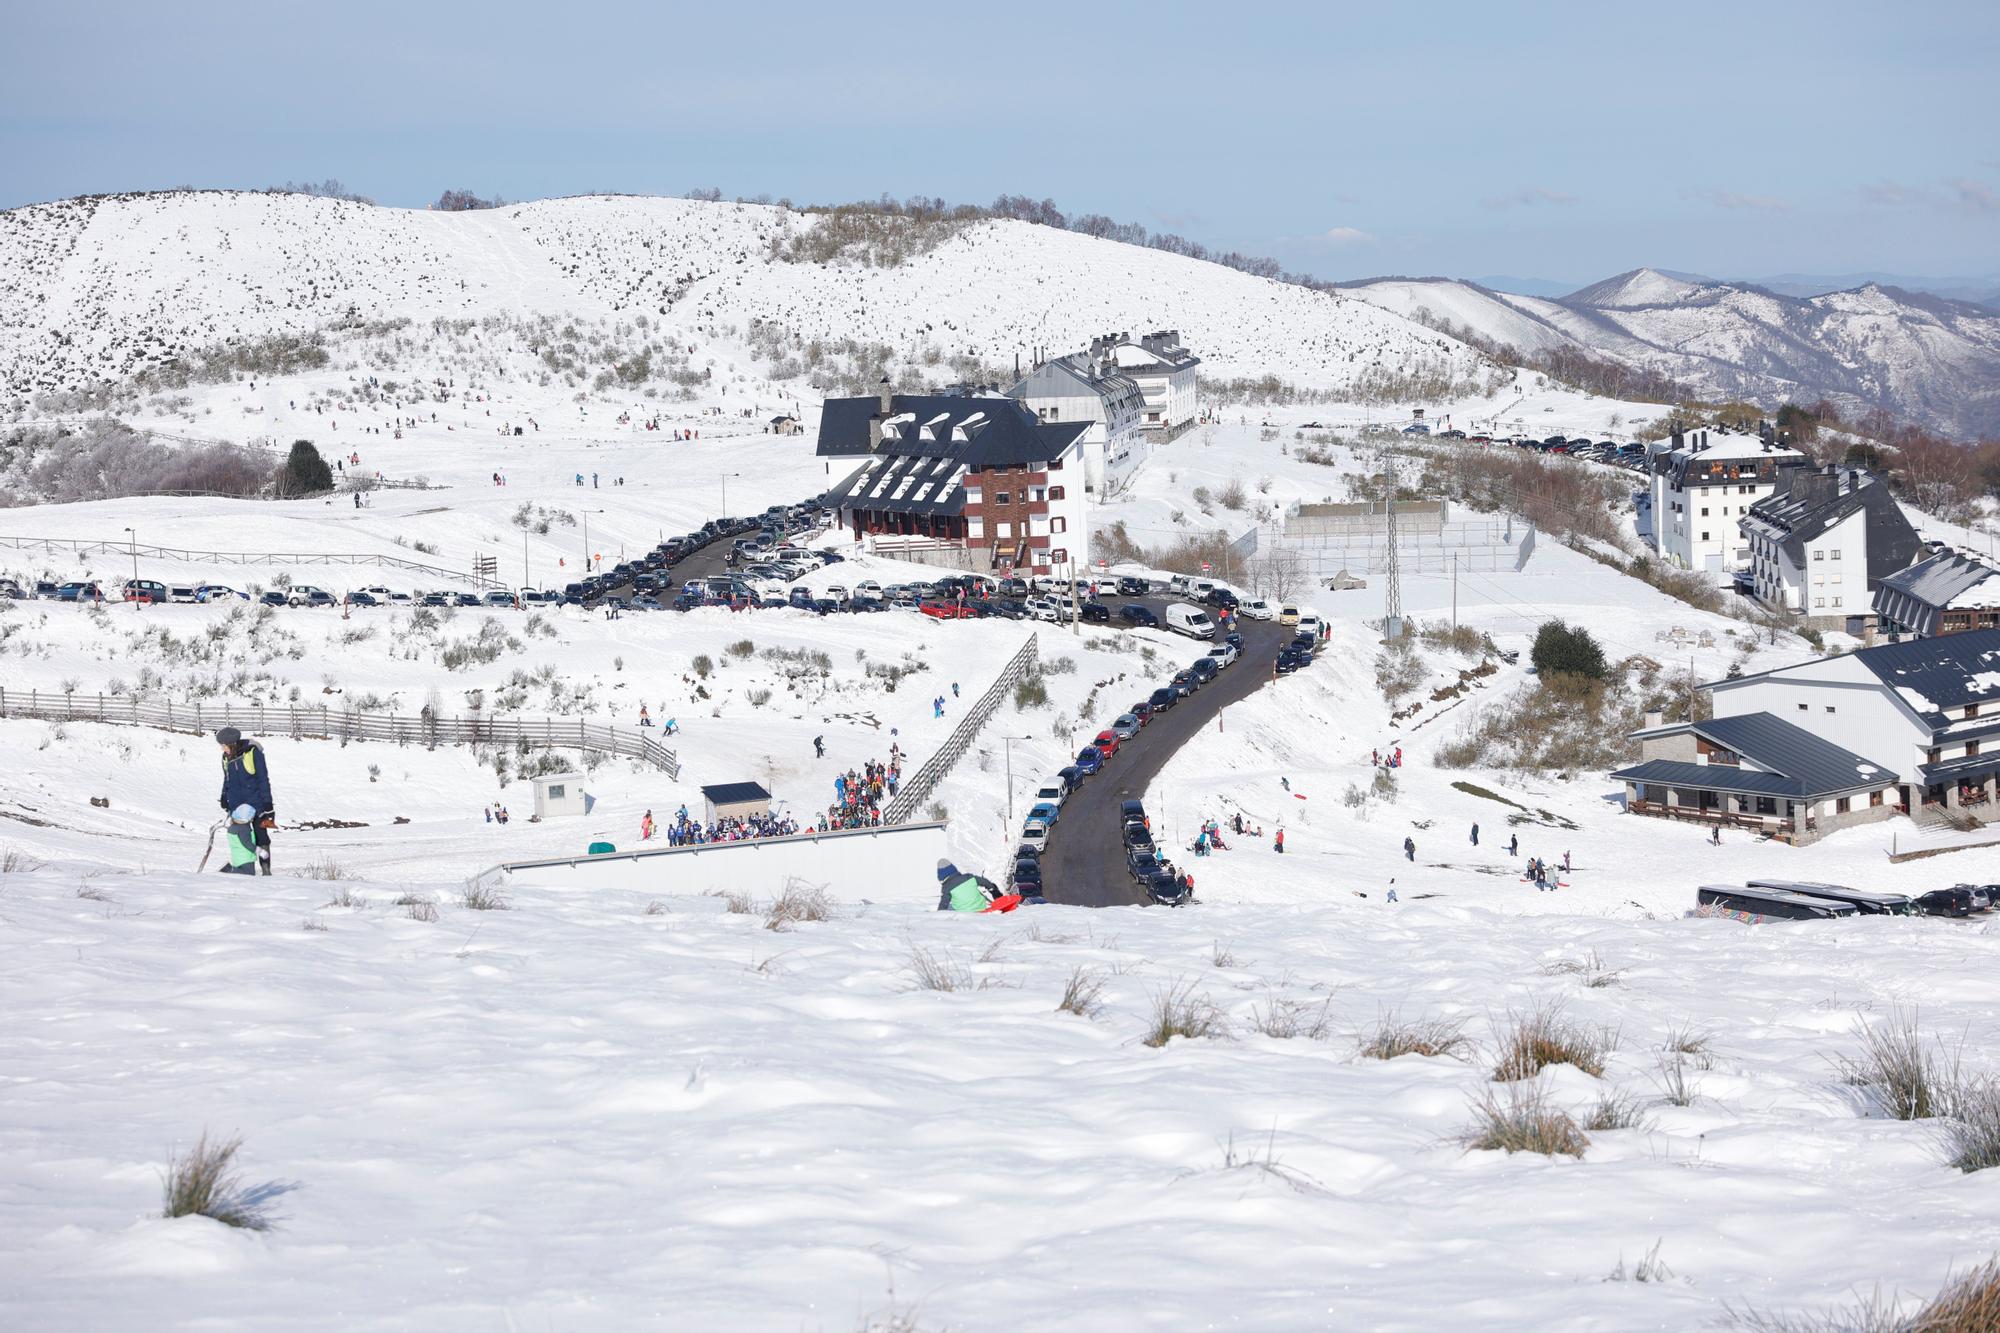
1567	141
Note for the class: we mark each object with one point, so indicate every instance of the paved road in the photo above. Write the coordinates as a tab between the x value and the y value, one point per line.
1085	862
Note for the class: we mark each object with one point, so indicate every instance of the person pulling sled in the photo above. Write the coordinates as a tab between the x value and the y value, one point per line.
246	782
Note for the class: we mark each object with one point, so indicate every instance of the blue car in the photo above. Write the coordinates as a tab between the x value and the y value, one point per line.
1089	759
362	599
1046	812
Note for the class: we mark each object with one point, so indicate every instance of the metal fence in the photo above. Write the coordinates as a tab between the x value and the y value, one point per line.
87	546
920	784
344	725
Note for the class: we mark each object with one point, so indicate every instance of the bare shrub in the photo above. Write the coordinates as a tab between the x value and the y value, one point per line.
1289	1019
14	861
1520	1119
1221	956
91	893
417	907
656	908
1534	1040
203	1182
1911	1076
1673	1080
1178	1012
1968	1303
1615	1110
1396	1036
736	904
799	902
1971	1132
1650	1268
323	869
1591	968
484	898
312	923
938	972
1693	1043
346	898
742	648
1081	993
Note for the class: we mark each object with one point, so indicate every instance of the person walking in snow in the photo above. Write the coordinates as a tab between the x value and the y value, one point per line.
246	780
645	718
1565	863
1514	845
1278	843
1392	891
819	747
954	689
1475	833
1409	849
646	827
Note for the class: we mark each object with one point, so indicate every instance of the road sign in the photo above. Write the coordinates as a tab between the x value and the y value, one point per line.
1204	566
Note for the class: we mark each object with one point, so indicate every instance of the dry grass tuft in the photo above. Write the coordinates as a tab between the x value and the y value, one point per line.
799	902
1913	1077
346	898
1968	1303
417	907
656	908
1178	1012
1081	993
1533	1041
14	861
736	904
1697	1045
938	972
312	923
1396	1036
1648	1269
1615	1110
323	869
1290	1019
484	898
1971	1133
1521	1120
1594	971
203	1183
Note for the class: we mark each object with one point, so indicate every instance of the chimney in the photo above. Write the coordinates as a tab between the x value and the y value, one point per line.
882	414
1652	718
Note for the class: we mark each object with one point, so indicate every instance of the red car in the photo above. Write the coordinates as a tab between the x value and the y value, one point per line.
949	611
1106	743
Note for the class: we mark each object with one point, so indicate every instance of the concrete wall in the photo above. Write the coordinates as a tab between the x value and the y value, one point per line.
896	864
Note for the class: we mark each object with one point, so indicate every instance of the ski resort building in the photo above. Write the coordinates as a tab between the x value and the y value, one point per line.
1165	373
972	481
1823	541
1089	386
1949	593
1903	728
1702	489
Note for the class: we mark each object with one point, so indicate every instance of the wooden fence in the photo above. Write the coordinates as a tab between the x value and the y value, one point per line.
86	546
919	784
318	722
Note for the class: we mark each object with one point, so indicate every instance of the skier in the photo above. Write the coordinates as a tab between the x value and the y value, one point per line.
645	718
1409	849
819	747
246	780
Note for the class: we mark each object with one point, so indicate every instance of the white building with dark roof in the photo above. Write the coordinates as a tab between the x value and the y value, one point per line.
1823	540
973	481
1088	386
1948	593
1165	372
1702	487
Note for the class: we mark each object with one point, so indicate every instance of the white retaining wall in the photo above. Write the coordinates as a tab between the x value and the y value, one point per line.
885	864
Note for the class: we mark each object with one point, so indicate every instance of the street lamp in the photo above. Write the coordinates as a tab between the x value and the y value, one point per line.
725	491
1007	743
135	553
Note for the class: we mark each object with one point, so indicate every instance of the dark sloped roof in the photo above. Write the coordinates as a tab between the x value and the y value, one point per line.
999	431
905	484
1820	766
1965	766
1942	674
1810	503
1916	597
733	793
1712	777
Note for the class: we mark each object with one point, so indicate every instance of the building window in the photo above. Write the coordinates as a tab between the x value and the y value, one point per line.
1830	708
1803	707
1001	498
1767	805
1972	710
1003	529
1971	749
1842	805
1058	524
975	528
1055	492
1059	556
1819	601
1704	511
1874	798
1931	756
1836	555
1819	555
1704	536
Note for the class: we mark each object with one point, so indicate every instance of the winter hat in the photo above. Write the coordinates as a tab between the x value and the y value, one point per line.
243	814
946	870
229	736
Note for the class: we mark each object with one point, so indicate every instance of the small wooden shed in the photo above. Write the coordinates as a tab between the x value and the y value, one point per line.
736	800
560	794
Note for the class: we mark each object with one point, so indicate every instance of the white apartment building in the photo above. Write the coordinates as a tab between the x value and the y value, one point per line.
1701	491
1165	373
1088	386
1821	544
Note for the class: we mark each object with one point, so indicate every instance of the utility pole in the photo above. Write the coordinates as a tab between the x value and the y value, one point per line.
1454	592
135	553
526	581
1392	609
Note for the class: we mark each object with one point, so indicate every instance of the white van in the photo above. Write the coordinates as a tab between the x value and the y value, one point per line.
1190	620
1309	623
1257	609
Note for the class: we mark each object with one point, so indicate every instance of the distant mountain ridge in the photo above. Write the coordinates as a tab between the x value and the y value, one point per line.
1920	356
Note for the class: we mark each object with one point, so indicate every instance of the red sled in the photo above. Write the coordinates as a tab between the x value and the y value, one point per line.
1006	902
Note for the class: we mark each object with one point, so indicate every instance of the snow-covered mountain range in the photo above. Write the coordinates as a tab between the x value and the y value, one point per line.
1921	357
95	289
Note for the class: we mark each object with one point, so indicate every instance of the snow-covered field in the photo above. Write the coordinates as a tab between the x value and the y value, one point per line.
581	1112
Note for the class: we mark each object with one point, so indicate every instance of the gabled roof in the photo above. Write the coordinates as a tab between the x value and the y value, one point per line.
1771	742
1808	504
997	431
1918	596
903	484
1712	777
1935	676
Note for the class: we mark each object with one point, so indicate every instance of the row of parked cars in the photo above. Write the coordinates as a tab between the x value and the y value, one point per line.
1050	795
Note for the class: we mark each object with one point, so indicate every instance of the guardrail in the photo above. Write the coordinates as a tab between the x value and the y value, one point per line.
919	784
198	717
105	546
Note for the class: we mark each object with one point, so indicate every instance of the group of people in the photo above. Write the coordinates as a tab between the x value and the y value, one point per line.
672	727
858	796
1393	759
1209	838
687	832
496	813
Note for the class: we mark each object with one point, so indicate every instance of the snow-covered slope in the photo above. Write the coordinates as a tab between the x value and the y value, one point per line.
1923	357
92	290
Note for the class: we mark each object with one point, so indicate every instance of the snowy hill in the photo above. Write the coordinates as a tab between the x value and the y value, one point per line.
94	290
1924	357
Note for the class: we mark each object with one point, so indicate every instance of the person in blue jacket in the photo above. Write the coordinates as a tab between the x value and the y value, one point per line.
246	780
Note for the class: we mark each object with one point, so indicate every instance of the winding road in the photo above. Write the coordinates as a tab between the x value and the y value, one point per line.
1084	865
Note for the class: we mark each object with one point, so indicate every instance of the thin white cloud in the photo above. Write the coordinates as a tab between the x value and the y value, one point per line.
1346	236
1889	193
1529	197
1974	196
1758	203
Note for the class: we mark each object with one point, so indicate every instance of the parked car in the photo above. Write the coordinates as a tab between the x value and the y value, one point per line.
949	610
79	590
9	588
1184	683
1046	811
273	598
1132	586
1222	598
1135	615
306	595
1052	792
1035	834
1137	837
1288	615
362	597
1041	608
1162	699
1126	726
1095	613
182	593
1144	865
1291	658
1071	775
1256	609
145	590
1223	655
1089	759
498	597
1203	669
47	589
1106	743
1946	902
1310	623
